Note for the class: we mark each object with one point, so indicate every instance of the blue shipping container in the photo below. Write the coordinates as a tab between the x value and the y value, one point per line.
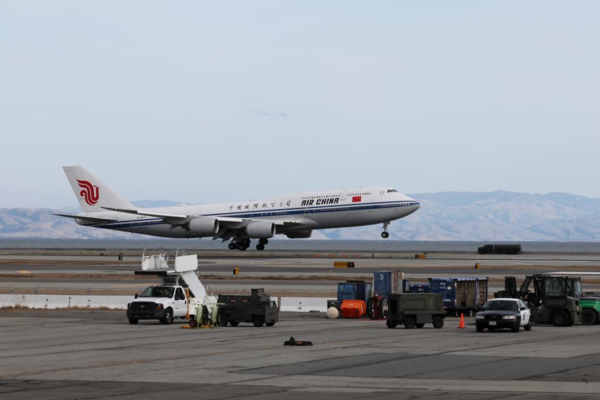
353	291
382	284
460	293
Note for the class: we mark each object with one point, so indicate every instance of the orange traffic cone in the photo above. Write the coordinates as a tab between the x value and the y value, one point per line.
461	325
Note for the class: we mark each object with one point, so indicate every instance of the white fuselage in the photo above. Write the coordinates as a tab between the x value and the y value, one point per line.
315	210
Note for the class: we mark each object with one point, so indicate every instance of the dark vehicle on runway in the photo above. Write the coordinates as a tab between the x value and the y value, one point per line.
499	249
256	308
504	313
414	310
551	299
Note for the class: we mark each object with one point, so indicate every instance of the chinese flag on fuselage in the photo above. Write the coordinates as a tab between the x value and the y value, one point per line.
356	199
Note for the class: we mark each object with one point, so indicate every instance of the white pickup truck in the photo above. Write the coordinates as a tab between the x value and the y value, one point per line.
168	300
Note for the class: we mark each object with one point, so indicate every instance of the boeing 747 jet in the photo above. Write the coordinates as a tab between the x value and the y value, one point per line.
295	216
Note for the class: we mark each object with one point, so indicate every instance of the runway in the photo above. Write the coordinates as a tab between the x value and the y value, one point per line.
85	354
309	275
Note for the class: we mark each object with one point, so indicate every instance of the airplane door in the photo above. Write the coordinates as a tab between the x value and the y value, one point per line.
344	195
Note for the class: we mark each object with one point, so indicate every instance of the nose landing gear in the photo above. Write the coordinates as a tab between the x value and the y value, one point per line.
385	233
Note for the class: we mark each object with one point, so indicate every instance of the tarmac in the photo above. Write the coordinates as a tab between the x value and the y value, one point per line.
98	355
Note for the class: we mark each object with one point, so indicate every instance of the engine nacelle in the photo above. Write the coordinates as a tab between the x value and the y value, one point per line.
260	230
204	226
299	234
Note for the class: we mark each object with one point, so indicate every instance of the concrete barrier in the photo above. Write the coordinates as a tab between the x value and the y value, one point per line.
304	304
51	302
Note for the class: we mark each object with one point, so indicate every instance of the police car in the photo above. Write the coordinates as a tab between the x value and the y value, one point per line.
504	313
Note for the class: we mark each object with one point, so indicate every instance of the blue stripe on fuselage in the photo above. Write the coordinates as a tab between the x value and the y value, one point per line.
273	213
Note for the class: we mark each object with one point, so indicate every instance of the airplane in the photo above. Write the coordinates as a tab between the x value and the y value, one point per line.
295	216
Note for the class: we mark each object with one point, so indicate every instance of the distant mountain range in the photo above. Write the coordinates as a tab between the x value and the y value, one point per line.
491	216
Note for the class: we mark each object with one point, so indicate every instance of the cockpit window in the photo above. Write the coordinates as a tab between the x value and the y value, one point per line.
392	191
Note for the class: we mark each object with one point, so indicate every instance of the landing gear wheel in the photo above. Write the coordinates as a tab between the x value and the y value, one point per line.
391	324
263	241
232	246
260	247
560	318
385	235
246	242
241	247
589	317
438	322
168	318
409	323
419	326
133	321
258	321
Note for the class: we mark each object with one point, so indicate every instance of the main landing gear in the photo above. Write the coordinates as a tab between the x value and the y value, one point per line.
261	244
385	233
239	244
244	243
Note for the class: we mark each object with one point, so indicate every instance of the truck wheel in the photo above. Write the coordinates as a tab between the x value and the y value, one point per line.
168	318
391	324
516	326
258	321
224	321
479	328
409	322
133	321
419	326
589	317
270	323
560	318
438	322
528	326
234	323
193	323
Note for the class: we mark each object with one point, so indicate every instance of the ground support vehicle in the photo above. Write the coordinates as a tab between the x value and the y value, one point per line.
414	310
551	299
590	310
504	313
461	295
258	308
499	249
178	296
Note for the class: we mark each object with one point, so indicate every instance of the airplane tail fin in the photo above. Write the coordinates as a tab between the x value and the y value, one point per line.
92	193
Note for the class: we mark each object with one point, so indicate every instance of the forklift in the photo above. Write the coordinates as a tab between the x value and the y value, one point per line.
551	299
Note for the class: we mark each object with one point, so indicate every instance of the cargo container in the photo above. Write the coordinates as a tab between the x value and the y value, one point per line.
353	290
461	295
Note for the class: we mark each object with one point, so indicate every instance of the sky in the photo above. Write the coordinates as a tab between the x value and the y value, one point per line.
205	102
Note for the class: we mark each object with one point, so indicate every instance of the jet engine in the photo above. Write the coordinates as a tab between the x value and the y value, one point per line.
204	226
260	230
299	234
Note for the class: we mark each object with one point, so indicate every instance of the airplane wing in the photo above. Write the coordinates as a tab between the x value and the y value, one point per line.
89	219
187	217
229	225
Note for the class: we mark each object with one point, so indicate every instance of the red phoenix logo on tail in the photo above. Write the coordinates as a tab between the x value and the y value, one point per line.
90	193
